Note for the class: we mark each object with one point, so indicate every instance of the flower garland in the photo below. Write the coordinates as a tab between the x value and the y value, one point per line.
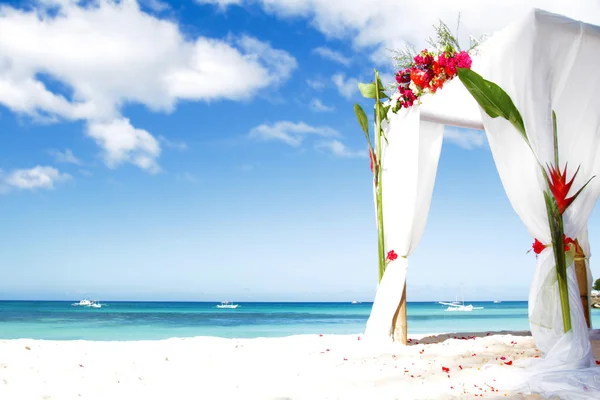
427	73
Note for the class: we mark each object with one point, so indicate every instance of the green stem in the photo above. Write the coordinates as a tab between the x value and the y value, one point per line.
380	241
557	231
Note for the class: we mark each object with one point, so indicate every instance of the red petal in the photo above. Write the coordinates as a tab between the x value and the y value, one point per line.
508	362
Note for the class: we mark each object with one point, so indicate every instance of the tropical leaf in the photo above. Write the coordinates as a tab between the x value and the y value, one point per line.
368	90
492	99
363	121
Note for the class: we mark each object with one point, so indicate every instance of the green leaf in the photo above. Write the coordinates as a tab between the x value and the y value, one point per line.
363	121
368	90
494	101
555	131
382	111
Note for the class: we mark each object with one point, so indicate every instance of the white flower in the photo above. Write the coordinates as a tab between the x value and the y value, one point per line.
413	87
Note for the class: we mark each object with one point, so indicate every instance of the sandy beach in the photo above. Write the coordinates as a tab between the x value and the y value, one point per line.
297	367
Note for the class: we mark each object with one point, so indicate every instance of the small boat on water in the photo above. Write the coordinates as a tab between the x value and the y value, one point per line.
226	304
88	303
95	304
458	306
356	302
497	301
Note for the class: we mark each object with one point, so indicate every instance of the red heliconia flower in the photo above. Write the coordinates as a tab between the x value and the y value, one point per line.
538	246
560	187
391	255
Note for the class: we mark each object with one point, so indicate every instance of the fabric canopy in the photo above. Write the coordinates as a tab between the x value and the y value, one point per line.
544	62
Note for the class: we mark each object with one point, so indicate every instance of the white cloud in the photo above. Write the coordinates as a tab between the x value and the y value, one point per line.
109	53
291	133
346	87
66	156
317	84
468	139
318	106
173	144
122	143
339	149
332	55
391	23
38	177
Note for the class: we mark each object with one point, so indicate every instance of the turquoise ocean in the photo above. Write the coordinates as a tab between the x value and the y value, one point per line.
57	320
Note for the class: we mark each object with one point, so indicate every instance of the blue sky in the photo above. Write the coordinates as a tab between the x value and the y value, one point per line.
208	150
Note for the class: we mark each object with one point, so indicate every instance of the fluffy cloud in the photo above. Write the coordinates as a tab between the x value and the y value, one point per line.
339	149
291	133
124	143
34	178
318	106
106	54
332	55
391	23
346	87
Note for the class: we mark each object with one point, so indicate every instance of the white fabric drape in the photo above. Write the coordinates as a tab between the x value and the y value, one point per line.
547	62
409	165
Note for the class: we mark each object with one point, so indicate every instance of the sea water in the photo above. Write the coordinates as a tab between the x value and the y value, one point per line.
161	320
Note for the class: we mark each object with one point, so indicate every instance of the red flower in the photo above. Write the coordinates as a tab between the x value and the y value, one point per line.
418	77
568	241
538	247
560	187
436	68
391	255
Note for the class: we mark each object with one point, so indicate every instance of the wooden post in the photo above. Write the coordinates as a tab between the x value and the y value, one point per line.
582	281
399	324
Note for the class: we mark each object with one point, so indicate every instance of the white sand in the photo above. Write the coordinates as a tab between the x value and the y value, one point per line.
299	367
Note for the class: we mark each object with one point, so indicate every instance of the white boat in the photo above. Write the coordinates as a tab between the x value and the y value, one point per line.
497	301
95	304
84	302
355	302
458	306
226	304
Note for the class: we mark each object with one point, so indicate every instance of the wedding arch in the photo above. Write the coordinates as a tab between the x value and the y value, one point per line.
532	87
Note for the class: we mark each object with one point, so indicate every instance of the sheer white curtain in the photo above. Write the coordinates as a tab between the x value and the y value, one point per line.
409	165
548	62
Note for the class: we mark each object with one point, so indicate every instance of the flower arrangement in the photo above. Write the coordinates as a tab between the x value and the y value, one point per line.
427	71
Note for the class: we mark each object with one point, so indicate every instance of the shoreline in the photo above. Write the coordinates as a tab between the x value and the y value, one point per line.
435	366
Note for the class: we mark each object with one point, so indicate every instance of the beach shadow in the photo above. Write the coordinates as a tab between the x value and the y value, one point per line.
435	339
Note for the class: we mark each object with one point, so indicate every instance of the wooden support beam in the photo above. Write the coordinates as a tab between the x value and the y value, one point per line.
582	281
399	323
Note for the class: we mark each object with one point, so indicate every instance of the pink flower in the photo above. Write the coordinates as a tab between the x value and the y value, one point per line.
403	77
463	60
